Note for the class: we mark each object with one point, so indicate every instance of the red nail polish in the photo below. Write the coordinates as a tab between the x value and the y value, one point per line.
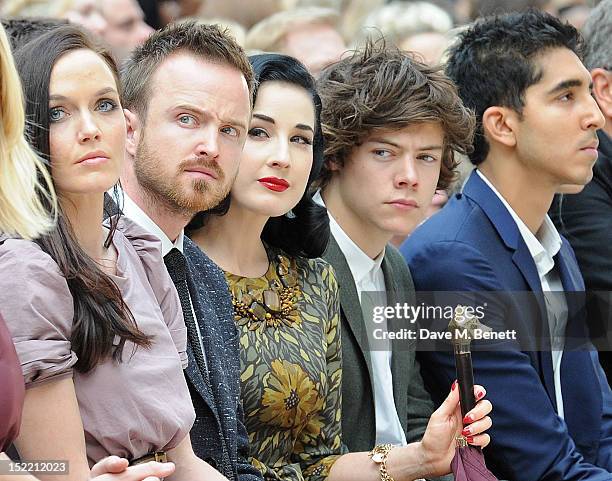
466	431
469	439
480	395
454	386
468	419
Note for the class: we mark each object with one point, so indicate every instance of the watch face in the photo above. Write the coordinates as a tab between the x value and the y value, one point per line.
378	457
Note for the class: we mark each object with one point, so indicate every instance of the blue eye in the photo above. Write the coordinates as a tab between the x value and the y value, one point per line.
107	106
56	114
230	131
186	120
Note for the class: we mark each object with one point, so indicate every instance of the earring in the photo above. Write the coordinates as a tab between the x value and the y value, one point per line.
290	215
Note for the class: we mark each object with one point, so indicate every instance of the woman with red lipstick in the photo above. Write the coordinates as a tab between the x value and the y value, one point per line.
93	314
268	240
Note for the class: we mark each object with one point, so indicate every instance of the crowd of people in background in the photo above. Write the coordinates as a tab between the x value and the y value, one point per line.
198	197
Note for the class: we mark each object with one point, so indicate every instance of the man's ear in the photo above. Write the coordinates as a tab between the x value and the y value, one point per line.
602	89
499	124
133	132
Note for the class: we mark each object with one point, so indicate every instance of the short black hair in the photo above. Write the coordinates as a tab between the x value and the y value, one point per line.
493	62
306	232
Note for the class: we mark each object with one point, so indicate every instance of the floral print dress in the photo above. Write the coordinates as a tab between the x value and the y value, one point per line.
291	366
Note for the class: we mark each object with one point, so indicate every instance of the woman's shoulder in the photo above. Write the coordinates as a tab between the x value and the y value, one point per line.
24	260
142	241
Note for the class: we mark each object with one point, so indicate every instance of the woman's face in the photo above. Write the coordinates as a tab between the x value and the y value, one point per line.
277	157
86	124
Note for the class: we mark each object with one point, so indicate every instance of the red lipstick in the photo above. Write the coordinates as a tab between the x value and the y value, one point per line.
274	184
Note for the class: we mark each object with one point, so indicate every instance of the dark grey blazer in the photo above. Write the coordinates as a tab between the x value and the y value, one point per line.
414	405
218	435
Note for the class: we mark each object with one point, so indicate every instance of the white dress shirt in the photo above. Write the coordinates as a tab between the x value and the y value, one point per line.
369	277
543	247
133	211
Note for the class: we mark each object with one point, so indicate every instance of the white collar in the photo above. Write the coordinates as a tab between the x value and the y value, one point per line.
360	264
544	245
133	211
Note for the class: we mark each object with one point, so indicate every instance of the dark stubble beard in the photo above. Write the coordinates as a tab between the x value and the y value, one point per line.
170	191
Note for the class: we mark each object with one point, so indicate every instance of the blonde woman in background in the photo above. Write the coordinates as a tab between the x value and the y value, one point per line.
22	213
83	12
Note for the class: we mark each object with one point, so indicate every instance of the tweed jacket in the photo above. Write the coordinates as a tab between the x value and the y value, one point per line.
414	405
218	435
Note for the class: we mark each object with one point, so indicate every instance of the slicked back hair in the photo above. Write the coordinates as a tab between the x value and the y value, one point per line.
206	41
494	62
383	88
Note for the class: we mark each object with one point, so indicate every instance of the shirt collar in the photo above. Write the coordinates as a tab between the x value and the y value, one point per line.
544	245
133	211
360	264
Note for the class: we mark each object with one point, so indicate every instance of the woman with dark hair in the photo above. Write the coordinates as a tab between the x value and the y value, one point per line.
93	314
268	240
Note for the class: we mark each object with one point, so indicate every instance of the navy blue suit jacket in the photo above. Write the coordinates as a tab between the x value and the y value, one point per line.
473	244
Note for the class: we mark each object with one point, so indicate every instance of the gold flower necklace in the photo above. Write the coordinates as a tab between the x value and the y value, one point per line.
271	299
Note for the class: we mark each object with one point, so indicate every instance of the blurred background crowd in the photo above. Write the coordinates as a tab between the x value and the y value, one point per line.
316	32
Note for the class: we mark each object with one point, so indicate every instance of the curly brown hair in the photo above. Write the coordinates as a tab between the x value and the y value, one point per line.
381	87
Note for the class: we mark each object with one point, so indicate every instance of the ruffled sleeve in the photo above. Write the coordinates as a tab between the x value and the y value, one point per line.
38	310
148	248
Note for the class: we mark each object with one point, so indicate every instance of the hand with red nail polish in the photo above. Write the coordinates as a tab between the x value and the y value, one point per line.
446	423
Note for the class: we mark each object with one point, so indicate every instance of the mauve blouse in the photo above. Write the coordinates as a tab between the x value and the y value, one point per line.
130	408
12	391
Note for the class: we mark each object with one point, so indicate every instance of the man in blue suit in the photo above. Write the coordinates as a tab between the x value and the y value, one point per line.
537	121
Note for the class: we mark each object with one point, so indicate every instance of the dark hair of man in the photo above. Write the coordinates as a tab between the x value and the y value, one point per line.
597	32
383	88
21	30
205	41
494	62
100	313
306	232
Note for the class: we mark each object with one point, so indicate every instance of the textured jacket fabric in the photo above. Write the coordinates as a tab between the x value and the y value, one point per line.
218	435
413	403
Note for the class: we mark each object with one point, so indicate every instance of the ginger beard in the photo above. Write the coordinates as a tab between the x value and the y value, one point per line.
180	193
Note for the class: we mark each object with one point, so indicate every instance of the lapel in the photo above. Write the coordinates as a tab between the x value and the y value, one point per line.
582	399
400	360
349	299
197	378
477	190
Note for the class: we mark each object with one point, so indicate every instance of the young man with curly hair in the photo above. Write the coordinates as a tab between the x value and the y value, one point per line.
391	126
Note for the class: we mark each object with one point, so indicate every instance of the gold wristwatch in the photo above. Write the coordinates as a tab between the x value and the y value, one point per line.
379	456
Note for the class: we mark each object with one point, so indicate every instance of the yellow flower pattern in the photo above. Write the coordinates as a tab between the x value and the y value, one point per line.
291	377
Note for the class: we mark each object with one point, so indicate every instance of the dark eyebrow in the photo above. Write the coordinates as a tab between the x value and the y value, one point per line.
393	144
384	141
100	92
304	127
566	84
201	112
270	120
265	118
